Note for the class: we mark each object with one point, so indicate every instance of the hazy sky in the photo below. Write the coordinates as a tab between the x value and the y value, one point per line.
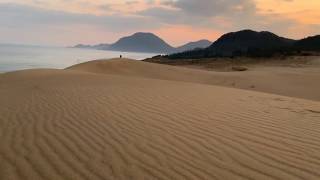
68	22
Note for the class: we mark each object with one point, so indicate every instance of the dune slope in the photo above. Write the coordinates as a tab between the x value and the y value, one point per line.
64	124
293	82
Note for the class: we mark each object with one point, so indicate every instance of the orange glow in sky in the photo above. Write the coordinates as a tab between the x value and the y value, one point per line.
304	11
178	35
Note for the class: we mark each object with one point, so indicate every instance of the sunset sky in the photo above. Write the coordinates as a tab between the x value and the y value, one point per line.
68	22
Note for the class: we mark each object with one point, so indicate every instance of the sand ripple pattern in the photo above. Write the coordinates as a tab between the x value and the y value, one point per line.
69	125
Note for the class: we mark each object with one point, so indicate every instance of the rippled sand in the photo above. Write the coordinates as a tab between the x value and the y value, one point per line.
123	119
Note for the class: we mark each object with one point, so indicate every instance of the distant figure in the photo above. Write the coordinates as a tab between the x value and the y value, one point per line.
120	56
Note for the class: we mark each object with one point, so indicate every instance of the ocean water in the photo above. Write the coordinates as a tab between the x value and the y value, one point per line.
19	57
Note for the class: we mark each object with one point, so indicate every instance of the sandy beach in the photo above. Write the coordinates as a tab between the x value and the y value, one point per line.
126	119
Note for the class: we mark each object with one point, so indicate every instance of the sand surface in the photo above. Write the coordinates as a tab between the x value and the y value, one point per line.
119	120
286	78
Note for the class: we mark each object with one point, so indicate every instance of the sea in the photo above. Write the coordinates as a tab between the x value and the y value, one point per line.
20	57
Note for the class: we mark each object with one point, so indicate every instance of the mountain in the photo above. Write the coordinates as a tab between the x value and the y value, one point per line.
245	42
308	44
142	42
101	46
82	46
241	43
194	45
248	40
145	42
98	46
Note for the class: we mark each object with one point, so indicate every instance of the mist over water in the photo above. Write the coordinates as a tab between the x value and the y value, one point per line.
19	57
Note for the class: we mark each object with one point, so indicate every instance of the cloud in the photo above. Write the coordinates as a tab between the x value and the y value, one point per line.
64	18
204	13
14	15
28	24
215	14
222	15
213	7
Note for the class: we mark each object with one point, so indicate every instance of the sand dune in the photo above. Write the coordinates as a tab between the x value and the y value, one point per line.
287	81
81	124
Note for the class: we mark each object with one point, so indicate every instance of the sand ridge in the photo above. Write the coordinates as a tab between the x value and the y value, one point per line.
71	124
287	81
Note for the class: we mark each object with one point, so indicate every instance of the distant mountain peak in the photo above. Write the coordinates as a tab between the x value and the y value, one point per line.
146	42
203	43
144	34
142	42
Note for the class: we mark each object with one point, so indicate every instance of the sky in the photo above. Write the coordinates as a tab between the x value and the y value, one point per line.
69	22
